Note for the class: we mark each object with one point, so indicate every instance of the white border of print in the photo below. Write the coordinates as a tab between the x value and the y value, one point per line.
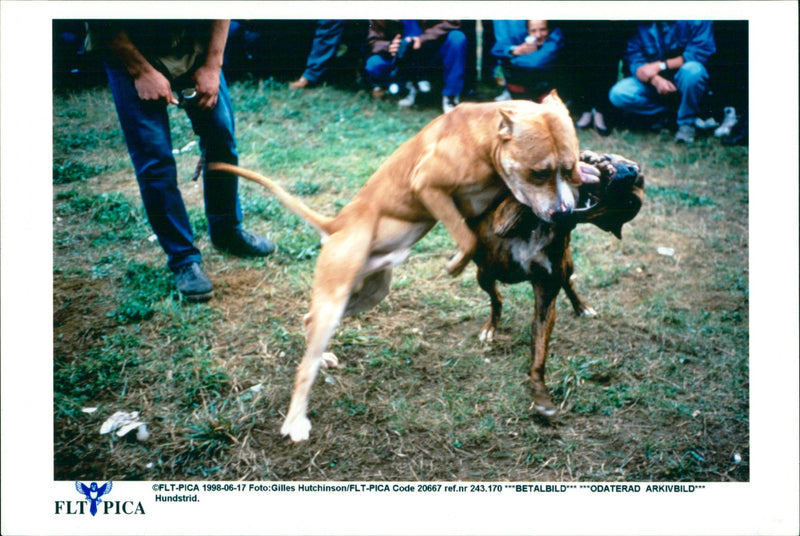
767	504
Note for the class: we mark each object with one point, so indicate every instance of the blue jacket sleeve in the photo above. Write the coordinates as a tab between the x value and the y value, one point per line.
700	41
546	55
693	39
639	48
507	34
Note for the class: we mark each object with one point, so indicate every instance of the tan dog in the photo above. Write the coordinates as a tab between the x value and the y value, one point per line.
453	169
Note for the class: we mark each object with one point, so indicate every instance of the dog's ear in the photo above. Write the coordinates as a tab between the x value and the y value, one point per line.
554	101
506	130
507	215
552	97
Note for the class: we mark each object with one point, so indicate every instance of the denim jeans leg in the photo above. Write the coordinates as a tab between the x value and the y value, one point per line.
218	143
146	129
453	53
692	83
323	48
631	95
378	70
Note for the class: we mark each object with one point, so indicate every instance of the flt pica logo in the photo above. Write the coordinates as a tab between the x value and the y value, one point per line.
95	497
93	493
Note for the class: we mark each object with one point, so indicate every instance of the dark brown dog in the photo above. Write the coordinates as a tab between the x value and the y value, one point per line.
515	245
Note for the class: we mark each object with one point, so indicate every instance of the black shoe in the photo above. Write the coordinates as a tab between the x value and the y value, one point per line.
242	244
193	283
738	136
659	122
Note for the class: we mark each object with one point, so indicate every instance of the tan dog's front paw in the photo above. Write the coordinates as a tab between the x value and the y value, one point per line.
298	428
329	360
457	264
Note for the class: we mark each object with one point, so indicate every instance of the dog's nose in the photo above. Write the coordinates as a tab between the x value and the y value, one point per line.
627	172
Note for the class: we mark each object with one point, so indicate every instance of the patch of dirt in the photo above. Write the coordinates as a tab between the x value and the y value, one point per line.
80	314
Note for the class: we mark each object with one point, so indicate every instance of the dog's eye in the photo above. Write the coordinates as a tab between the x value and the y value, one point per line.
542	175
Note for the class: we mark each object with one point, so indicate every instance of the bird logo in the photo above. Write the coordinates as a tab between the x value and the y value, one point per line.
93	492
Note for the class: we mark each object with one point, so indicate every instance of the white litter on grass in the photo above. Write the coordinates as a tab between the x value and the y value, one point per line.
152	238
667	252
123	422
257	388
186	148
89	410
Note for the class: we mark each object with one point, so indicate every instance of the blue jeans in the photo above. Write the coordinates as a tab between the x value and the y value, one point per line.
147	135
323	48
691	79
451	55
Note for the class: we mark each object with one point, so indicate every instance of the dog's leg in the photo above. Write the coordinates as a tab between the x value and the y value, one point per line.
373	289
338	266
439	202
489	284
580	307
544	319
441	206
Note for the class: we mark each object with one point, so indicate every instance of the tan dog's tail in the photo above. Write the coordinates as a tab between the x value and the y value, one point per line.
291	202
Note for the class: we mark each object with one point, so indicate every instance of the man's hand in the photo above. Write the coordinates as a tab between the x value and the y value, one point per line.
206	83
588	173
646	72
524	48
395	45
663	86
151	85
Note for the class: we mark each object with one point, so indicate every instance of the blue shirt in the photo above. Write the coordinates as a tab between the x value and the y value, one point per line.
659	41
510	33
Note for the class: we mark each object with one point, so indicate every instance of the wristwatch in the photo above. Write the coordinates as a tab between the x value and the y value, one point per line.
662	65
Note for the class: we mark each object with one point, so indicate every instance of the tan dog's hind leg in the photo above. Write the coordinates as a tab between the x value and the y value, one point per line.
322	322
338	267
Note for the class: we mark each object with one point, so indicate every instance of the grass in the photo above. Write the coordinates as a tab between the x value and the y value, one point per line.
654	388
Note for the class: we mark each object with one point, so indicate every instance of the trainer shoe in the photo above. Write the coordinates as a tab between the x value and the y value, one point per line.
728	122
448	103
504	96
242	244
410	98
193	284
685	134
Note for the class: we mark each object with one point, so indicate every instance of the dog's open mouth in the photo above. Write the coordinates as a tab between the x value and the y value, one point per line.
616	199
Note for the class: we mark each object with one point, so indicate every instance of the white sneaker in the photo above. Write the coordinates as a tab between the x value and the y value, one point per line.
448	103
706	124
504	96
728	122
409	99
